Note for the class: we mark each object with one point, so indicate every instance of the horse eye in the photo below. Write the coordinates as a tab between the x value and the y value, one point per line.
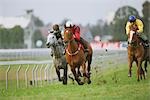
53	37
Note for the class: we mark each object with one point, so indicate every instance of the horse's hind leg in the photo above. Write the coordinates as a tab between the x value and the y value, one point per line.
145	67
140	70
89	69
142	73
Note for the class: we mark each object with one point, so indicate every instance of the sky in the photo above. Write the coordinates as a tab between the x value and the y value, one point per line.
79	11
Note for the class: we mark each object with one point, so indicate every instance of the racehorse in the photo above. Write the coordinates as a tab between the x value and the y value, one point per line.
76	57
135	52
146	58
59	59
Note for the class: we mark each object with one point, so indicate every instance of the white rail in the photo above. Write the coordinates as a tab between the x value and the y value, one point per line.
99	58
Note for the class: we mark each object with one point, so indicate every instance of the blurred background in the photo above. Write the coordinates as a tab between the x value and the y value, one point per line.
24	23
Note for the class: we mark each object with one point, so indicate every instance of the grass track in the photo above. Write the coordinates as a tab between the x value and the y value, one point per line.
107	84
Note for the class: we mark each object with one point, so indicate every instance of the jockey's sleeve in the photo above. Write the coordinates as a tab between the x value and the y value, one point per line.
127	28
140	26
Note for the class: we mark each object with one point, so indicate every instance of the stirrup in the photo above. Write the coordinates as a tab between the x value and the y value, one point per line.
146	45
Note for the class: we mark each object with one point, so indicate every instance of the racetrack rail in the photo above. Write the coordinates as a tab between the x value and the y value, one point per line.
42	62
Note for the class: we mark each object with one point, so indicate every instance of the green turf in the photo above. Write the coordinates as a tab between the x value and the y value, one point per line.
107	84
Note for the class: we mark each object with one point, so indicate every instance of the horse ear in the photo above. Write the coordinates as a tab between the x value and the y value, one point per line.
65	26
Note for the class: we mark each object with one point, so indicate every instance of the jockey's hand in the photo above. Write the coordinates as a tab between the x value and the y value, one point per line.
132	32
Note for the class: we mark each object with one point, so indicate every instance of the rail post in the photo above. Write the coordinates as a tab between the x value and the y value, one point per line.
26	76
17	75
7	76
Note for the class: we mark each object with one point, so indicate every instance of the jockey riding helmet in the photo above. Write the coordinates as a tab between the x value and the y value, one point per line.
69	24
56	27
132	18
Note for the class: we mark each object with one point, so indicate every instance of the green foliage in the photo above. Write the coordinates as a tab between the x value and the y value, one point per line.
146	15
96	30
11	38
38	36
38	22
119	22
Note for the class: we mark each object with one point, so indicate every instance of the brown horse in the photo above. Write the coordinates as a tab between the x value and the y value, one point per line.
75	56
135	53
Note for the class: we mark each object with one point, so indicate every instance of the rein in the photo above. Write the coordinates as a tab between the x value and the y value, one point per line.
134	43
76	52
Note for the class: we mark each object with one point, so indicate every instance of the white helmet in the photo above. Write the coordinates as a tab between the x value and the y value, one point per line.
69	24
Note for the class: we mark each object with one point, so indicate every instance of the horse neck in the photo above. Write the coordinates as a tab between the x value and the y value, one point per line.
73	46
57	52
137	42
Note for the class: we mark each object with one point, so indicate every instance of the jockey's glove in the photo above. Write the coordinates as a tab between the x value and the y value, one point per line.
132	32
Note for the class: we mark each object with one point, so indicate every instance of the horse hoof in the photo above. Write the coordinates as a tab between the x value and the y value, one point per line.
129	75
89	82
64	83
80	83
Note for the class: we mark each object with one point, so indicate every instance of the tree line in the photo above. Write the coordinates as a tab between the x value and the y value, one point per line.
117	26
14	37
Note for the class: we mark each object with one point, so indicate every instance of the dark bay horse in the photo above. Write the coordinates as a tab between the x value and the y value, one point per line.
75	57
135	53
59	59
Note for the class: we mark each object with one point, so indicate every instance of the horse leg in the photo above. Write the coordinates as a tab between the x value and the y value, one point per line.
130	66
79	73
76	76
89	69
140	71
145	67
58	74
65	75
84	71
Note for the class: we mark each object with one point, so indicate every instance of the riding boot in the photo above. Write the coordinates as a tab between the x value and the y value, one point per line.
84	43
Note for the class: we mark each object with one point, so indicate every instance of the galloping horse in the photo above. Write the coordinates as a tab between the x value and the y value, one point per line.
59	59
75	56
135	52
146	58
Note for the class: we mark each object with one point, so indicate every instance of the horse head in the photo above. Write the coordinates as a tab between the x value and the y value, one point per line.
51	40
133	36
68	34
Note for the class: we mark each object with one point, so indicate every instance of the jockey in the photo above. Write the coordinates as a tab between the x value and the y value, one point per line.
57	33
133	21
76	31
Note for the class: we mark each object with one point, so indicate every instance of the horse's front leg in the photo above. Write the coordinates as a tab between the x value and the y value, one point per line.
58	73
76	76
130	60
65	74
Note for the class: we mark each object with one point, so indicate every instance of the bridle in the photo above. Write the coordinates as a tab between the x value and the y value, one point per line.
69	41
